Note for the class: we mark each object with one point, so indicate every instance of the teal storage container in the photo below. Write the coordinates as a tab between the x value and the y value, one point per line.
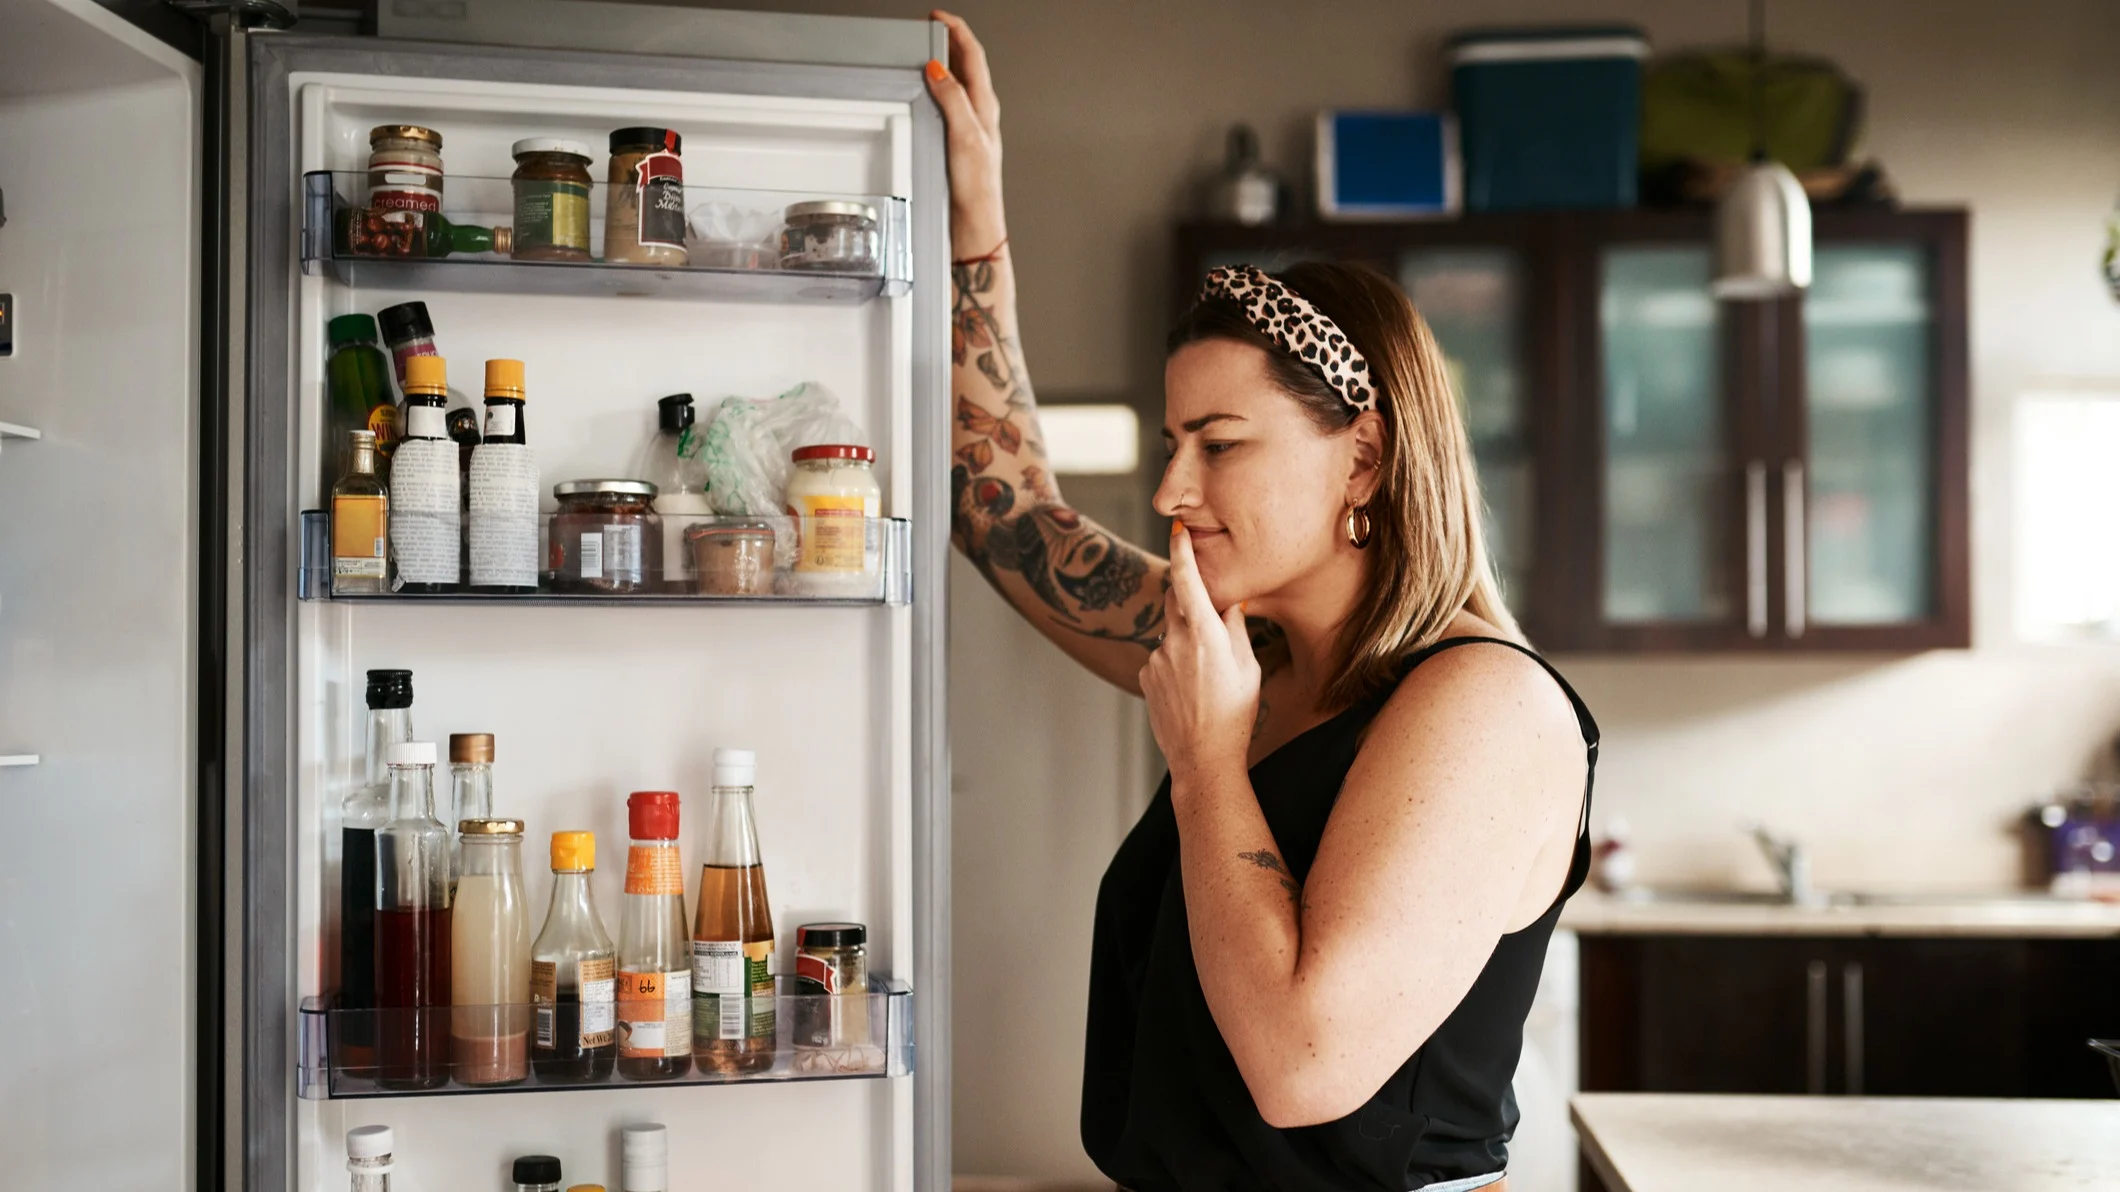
1549	118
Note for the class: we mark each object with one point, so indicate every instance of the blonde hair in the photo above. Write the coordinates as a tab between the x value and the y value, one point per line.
1428	544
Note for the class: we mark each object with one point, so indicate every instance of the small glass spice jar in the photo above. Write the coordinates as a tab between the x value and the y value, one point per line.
552	183
644	210
732	558
605	537
832	235
831	967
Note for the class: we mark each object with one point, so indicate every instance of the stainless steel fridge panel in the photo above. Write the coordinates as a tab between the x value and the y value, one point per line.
667	29
931	728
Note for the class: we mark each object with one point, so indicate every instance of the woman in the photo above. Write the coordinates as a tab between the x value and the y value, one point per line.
1314	953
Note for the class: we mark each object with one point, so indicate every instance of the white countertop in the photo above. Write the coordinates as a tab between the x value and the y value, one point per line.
1668	1142
2018	915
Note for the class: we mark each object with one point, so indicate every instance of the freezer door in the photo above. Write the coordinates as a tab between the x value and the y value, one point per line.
588	702
723	34
97	258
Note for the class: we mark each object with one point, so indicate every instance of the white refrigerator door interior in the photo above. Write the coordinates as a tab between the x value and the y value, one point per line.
590	703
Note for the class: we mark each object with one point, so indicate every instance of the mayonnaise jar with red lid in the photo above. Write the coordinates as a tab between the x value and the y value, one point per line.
834	497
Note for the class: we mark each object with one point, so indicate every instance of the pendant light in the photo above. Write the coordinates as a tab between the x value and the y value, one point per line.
1763	222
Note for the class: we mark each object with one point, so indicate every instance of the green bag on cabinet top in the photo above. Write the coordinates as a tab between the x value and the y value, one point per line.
1698	108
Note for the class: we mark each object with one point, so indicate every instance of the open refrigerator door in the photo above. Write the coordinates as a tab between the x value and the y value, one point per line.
592	690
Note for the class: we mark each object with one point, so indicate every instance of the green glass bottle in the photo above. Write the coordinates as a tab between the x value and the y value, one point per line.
445	238
357	382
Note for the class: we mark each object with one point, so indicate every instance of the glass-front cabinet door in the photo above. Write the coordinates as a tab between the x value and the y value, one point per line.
1675	562
1863	520
1473	298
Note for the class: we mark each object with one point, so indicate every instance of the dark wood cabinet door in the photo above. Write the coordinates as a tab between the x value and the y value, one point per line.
1870	1016
1705	1014
1932	1017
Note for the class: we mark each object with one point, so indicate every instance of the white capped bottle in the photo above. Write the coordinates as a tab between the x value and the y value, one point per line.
370	1158
644	1158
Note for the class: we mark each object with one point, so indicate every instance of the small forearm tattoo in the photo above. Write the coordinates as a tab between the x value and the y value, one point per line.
1266	859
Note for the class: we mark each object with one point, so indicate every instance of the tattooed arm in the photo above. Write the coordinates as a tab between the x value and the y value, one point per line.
1098	597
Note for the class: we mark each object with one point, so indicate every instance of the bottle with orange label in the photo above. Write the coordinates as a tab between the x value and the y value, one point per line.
654	949
360	524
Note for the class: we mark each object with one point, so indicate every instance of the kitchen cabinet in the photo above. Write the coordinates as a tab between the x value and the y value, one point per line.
1874	1016
1668	473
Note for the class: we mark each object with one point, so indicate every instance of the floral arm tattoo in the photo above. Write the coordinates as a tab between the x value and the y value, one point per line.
1007	514
1267	859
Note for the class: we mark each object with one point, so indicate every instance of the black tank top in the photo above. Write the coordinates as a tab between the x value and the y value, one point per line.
1163	1105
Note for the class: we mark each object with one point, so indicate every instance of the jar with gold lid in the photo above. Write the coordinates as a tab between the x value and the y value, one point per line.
552	183
404	168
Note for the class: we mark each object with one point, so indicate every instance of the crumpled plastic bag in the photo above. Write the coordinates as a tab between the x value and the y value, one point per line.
728	223
748	443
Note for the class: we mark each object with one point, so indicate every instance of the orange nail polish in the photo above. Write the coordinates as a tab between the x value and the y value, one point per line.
936	71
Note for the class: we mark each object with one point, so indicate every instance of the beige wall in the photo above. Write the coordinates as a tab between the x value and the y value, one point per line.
1899	771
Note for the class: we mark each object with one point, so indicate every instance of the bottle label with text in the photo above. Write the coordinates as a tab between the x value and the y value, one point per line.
654	1014
732	989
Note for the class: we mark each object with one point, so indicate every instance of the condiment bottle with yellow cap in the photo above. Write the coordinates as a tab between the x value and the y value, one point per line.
504	489
426	497
573	971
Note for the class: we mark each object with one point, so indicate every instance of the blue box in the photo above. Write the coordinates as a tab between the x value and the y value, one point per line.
1550	117
1384	165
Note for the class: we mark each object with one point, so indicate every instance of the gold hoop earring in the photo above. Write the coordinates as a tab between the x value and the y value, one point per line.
1359	539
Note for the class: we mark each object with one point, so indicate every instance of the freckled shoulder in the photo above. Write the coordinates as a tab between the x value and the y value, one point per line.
1484	692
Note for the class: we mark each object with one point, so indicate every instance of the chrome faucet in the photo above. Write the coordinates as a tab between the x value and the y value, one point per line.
1792	865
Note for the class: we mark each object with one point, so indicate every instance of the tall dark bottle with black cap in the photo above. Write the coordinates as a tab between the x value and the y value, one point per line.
365	810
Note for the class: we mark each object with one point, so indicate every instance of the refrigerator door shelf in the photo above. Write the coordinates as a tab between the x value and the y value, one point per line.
871	1037
9	430
734	238
887	581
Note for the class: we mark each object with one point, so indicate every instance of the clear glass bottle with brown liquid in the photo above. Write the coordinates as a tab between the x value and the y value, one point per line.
733	1019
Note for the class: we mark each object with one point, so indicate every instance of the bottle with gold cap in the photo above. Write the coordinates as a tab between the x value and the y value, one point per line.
573	972
504	489
426	498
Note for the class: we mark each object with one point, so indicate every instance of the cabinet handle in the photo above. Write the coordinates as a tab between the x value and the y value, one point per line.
1792	546
1851	1023
1815	1027
1756	548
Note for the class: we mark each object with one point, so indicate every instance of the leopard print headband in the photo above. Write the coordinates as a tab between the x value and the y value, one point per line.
1297	328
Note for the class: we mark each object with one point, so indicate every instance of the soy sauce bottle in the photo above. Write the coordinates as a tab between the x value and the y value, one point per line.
573	974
